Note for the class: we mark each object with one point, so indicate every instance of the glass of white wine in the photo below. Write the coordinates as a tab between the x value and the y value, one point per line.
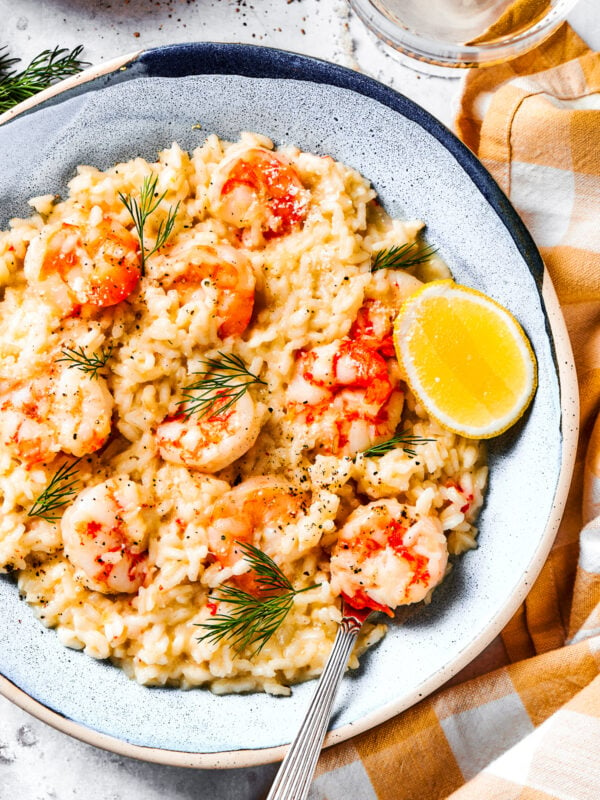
462	33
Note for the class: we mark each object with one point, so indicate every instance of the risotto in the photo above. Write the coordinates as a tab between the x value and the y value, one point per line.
196	366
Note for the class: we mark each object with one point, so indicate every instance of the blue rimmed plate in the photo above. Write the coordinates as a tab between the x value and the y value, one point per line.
137	106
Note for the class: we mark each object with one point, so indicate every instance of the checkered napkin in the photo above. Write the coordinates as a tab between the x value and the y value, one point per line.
523	720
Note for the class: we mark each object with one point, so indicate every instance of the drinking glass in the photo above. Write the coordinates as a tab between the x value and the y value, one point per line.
462	33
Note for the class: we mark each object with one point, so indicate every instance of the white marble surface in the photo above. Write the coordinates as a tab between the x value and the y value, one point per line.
37	762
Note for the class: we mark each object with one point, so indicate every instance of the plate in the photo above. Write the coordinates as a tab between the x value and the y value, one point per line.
141	104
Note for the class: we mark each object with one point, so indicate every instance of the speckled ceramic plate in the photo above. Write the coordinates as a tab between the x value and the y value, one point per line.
141	104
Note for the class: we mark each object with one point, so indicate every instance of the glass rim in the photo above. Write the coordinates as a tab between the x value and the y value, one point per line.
444	54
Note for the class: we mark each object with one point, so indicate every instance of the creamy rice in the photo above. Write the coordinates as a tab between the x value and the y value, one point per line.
312	282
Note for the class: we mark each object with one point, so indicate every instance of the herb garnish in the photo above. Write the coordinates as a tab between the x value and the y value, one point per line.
402	256
90	364
44	70
221	385
57	493
391	444
142	209
253	620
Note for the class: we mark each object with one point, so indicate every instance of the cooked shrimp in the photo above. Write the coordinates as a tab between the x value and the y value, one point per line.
385	556
61	410
256	512
344	393
260	193
221	276
210	443
96	263
105	535
384	295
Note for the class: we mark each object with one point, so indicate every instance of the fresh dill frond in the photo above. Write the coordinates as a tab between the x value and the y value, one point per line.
91	364
268	575
402	256
165	228
140	210
391	444
253	619
6	62
57	493
44	70
221	384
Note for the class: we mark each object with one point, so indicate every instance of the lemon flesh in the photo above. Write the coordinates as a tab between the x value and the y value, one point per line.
466	358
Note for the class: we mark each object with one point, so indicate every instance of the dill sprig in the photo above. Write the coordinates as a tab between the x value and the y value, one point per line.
6	62
401	438
221	384
254	619
91	364
139	212
44	70
57	493
402	256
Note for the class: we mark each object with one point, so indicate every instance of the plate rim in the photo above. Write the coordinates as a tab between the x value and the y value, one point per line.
559	340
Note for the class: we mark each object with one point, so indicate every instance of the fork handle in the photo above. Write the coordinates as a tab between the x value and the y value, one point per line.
294	777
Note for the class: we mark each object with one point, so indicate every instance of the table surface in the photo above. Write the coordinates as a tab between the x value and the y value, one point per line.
37	762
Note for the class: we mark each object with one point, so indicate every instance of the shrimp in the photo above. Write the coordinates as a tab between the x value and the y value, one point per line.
344	394
50	413
260	193
222	276
384	295
255	512
105	536
96	263
210	443
385	556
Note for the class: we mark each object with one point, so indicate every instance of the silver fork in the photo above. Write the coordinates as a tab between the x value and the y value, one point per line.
294	777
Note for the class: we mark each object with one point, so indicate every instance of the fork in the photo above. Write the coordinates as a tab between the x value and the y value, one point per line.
294	777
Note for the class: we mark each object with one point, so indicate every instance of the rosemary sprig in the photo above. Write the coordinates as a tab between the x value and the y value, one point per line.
402	256
139	212
391	444
45	69
221	385
57	493
253	620
90	364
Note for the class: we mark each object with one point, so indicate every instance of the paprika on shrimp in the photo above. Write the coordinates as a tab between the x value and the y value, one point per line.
94	263
105	534
255	512
260	192
221	277
58	410
344	396
386	555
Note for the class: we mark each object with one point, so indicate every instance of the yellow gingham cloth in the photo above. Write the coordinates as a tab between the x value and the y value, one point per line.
523	720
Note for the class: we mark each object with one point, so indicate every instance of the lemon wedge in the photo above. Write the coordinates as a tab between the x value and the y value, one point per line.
466	359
